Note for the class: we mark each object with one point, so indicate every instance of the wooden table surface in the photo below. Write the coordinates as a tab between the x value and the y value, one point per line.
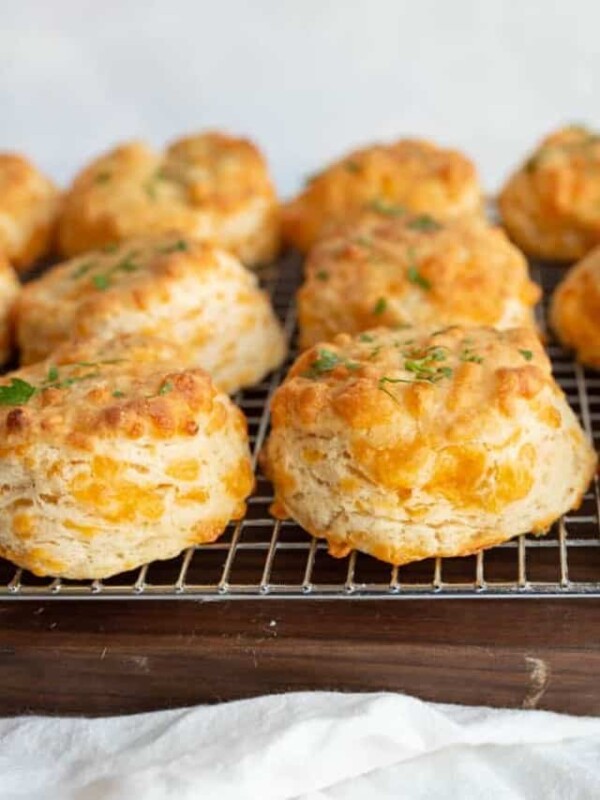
121	657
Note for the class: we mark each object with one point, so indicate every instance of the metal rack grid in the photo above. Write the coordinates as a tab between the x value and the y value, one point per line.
259	557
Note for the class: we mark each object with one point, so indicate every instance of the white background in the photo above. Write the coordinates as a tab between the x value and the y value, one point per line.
306	78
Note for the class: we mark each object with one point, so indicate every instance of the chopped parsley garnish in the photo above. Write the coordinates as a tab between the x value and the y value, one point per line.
17	393
166	388
425	366
413	274
423	370
365	337
103	281
83	269
180	246
380	306
388	209
415	277
150	185
424	223
382	387
118	393
527	354
103	177
327	361
322	275
352	166
469	356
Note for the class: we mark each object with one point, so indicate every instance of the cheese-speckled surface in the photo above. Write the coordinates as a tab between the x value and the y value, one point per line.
409	444
212	186
410	269
551	204
575	310
29	204
112	454
9	291
168	286
413	174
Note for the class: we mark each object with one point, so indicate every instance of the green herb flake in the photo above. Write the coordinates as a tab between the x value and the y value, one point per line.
469	356
381	385
327	361
118	393
101	282
166	388
17	393
352	166
380	306
322	275
110	248
180	246
425	367
387	209
103	177
415	277
52	376
424	223
365	337
82	269
363	241
527	354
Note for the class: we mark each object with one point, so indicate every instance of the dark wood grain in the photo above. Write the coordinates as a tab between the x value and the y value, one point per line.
119	657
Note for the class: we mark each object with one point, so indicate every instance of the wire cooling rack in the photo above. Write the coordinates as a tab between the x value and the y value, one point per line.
259	557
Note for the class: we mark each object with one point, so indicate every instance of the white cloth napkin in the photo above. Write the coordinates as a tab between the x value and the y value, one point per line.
306	746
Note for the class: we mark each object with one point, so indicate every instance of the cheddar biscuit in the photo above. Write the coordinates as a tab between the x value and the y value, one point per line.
9	291
551	205
575	310
112	456
212	186
28	210
167	286
409	174
409	444
413	270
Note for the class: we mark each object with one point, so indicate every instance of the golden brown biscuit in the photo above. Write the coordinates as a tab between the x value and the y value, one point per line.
9	291
167	286
408	174
408	444
211	186
412	270
551	205
112	456
28	209
575	309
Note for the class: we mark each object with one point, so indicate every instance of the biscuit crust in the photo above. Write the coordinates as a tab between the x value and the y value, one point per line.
408	174
9	291
211	186
29	204
575	310
113	455
412	444
551	205
169	286
413	270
